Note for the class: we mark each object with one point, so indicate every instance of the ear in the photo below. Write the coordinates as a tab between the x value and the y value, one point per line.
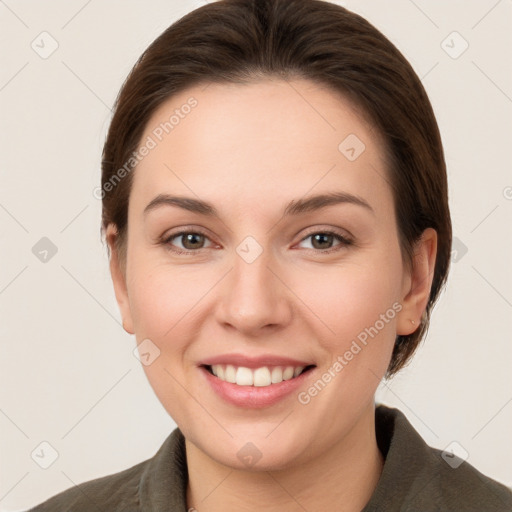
417	283
119	280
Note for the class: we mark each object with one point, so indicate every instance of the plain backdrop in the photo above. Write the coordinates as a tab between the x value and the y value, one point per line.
68	374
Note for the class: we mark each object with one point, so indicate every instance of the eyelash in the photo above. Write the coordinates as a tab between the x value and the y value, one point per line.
344	241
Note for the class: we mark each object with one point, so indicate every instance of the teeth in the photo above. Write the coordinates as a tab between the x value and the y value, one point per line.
244	377
229	374
277	375
260	377
288	373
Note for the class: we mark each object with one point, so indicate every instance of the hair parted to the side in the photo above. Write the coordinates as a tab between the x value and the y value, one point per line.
242	41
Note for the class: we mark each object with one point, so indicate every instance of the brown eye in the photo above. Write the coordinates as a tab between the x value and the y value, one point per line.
322	241
191	241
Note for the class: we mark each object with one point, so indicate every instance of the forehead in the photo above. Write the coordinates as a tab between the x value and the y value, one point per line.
268	139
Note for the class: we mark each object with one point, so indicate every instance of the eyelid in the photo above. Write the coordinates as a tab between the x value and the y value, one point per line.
344	241
185	230
343	233
344	238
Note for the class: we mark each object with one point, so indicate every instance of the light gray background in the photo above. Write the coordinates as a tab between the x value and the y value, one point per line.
68	374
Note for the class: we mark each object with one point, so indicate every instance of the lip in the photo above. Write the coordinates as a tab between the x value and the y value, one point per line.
254	362
255	397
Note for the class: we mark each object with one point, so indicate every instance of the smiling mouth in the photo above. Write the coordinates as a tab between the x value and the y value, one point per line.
257	377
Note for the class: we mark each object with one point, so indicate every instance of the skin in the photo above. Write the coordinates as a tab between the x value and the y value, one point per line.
249	150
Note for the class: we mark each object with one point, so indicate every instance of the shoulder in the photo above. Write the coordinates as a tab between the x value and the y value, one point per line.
460	486
116	491
418	477
154	481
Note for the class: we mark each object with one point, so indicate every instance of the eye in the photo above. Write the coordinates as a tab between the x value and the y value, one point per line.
322	241
191	241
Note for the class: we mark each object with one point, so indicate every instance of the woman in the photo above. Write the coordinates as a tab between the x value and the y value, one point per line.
275	204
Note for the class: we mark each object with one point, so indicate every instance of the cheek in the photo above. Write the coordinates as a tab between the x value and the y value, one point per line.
359	304
345	298
164	298
163	301
350	300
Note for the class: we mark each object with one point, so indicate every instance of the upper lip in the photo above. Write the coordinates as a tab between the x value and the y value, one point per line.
254	361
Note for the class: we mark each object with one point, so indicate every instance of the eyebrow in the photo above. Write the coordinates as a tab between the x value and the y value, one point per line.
294	207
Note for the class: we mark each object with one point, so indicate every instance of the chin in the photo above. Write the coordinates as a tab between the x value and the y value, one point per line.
253	459
248	452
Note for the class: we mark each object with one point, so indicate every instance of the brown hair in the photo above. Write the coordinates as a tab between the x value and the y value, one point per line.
240	41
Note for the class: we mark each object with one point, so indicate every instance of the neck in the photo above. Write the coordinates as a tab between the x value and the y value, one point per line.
344	478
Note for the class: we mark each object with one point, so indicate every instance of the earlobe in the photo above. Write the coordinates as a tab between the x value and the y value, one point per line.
418	283
119	280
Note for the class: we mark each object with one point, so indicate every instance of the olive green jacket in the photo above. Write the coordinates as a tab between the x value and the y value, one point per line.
415	478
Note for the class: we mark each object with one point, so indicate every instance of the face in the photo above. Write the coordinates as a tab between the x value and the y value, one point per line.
263	278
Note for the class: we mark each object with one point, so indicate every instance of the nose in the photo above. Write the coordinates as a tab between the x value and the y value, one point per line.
254	297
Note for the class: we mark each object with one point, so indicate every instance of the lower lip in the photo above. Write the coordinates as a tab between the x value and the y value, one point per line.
254	397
